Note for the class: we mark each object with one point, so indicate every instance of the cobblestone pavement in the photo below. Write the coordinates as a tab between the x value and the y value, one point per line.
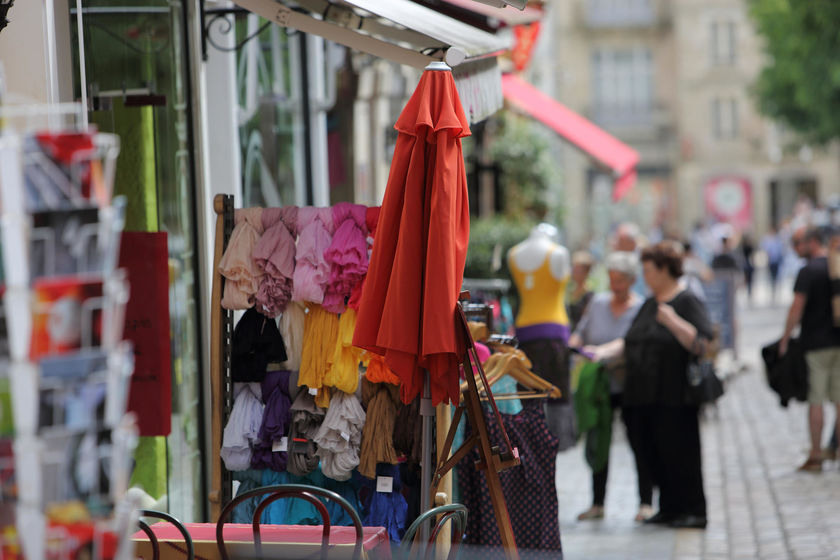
758	505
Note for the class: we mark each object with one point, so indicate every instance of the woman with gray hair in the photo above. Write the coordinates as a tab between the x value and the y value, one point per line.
603	326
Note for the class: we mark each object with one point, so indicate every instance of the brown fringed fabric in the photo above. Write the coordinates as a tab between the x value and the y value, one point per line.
377	436
408	431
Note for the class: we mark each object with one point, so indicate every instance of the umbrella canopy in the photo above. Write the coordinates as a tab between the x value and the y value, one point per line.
407	309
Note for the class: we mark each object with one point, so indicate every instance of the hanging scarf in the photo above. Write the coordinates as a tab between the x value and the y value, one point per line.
291	325
242	429
320	338
347	255
340	436
386	509
306	420
378	434
315	227
343	366
275	422
274	255
242	274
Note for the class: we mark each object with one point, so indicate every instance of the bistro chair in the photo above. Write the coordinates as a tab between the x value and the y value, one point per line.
456	513
310	494
190	552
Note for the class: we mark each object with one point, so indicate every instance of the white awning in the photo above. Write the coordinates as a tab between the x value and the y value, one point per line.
404	32
397	30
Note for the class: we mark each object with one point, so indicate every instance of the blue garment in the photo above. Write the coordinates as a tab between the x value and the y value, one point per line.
248	480
294	511
386	509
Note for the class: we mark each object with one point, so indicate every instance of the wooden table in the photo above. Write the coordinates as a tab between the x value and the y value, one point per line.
278	541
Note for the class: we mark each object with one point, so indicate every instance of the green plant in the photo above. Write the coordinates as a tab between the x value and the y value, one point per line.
490	240
530	174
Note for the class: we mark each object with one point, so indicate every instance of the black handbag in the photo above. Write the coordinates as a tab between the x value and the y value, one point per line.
704	386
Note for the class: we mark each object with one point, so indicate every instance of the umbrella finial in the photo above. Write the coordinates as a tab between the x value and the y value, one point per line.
438	65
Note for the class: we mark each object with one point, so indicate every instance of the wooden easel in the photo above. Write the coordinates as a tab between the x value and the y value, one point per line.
493	459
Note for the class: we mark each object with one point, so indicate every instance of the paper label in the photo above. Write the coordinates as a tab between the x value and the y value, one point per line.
346	436
281	444
385	484
313	392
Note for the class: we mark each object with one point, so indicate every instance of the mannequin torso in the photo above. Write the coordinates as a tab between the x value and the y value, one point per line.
540	268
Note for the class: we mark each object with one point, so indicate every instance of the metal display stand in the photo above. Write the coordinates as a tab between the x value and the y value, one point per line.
103	361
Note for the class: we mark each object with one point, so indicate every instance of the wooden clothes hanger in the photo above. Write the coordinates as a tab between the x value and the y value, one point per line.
517	365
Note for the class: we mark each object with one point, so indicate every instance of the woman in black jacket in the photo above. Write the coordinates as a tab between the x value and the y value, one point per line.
663	428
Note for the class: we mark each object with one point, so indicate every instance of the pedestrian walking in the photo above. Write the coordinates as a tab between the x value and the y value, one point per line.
600	331
773	248
811	311
663	428
746	253
579	292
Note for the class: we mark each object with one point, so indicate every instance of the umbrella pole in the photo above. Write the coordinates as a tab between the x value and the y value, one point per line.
427	411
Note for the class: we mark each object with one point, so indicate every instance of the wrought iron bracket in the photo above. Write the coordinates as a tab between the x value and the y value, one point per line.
212	15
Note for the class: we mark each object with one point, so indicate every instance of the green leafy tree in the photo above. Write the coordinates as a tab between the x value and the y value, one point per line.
800	84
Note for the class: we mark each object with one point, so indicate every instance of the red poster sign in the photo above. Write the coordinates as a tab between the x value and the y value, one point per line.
526	39
145	257
729	199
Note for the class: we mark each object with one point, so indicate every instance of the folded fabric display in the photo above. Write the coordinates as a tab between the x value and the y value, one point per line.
307	417
343	366
291	326
386	509
274	255
275	422
381	401
256	343
312	272
340	436
371	221
320	335
242	429
347	255
237	266
377	370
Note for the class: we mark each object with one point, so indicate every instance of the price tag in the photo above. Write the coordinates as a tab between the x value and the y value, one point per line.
281	444
313	392
346	436
385	484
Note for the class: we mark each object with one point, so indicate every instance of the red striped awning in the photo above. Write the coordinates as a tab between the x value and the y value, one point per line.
604	148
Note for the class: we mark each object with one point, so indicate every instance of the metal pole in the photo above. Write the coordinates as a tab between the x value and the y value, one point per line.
427	411
82	69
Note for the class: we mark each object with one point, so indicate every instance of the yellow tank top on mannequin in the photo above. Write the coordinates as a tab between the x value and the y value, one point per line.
542	298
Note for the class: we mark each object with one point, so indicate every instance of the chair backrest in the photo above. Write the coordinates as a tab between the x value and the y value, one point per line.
280	491
175	523
456	513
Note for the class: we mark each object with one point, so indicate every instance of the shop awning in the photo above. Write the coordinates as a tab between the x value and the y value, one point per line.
397	30
604	148
502	17
404	32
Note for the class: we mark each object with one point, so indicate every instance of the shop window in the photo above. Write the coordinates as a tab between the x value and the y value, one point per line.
725	118
139	87
622	86
723	42
271	127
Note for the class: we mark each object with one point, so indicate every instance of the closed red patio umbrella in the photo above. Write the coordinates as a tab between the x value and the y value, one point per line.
407	309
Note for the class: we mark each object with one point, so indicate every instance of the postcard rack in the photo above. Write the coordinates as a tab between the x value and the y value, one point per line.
66	445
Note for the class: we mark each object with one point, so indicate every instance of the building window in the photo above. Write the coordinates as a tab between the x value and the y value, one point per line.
725	118
723	38
622	86
619	13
